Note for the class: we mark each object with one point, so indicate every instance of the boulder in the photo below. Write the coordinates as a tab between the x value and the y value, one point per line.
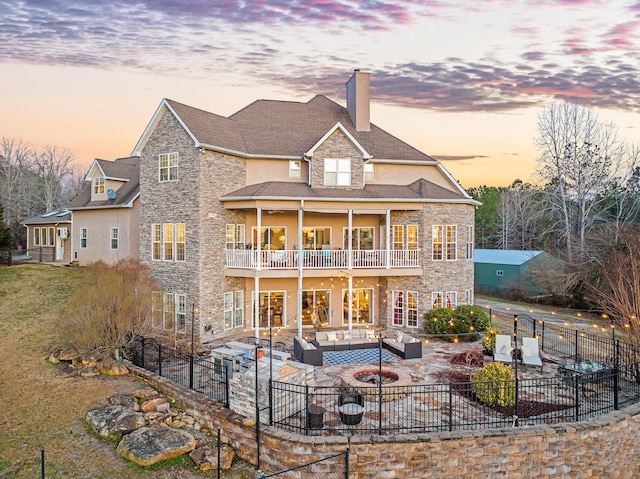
114	420
89	372
68	355
122	399
111	367
154	404
206	457
148	445
145	393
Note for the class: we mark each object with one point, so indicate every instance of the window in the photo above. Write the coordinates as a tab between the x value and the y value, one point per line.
157	310
168	242
315	238
452	299
452	234
235	236
469	248
499	272
404	237
337	172
168	167
436	300
398	236
398	308
233	308
156	241
51	236
271	237
98	184
412	237
167	232
294	169
168	312
180	241
36	236
368	172
181	311
470	297
239	309
114	238
412	309
361	238
436	242
83	237
228	310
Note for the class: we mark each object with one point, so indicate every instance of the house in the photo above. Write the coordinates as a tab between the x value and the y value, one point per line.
49	236
297	215
106	213
515	273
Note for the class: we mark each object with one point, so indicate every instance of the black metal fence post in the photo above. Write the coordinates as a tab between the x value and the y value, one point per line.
346	464
257	410
577	354
219	447
306	409
159	359
42	461
450	407
577	396
142	362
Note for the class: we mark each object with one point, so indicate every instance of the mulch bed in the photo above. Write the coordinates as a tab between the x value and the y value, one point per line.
526	407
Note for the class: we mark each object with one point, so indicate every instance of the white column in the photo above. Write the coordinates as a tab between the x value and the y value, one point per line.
300	265
388	239
350	310
258	243
350	240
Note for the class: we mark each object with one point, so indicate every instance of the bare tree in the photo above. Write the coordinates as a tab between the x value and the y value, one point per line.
520	210
579	159
54	166
15	179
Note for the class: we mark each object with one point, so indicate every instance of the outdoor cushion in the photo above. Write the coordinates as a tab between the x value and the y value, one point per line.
527	352
346	334
506	350
321	336
370	334
332	336
399	335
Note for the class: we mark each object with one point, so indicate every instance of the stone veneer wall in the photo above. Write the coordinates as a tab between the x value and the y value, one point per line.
604	447
337	146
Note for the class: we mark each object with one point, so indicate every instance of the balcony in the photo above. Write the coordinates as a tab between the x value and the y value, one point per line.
322	259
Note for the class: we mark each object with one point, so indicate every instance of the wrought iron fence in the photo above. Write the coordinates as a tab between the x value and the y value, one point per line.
388	409
332	467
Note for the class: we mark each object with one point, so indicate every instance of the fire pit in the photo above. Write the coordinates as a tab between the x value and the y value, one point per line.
367	380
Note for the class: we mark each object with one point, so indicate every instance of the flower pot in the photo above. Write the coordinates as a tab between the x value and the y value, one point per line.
260	353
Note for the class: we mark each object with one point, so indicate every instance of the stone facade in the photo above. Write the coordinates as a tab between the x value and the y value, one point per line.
337	146
589	449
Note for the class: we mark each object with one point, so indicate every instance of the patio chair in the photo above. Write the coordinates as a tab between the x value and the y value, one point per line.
503	349
531	352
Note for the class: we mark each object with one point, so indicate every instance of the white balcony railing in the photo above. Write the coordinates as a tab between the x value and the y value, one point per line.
317	259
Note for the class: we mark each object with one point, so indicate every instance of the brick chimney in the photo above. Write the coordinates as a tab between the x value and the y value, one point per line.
358	100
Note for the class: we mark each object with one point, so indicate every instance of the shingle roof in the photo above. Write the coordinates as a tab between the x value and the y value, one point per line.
418	190
124	168
50	217
504	256
285	128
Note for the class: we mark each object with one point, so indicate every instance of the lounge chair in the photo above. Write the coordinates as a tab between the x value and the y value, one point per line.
503	349
531	352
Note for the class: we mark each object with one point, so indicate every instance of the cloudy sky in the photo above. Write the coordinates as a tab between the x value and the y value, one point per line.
462	80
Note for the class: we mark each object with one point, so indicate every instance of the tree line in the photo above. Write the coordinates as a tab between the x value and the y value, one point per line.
32	182
584	208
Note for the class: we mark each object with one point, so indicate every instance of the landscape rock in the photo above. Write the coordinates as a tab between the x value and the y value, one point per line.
148	445
206	457
68	355
122	399
152	404
89	372
114	420
145	393
111	367
69	371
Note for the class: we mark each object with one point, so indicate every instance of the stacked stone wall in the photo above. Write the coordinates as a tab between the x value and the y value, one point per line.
337	146
604	447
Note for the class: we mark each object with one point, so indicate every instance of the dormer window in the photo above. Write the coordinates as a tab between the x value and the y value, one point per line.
294	169
98	185
337	172
368	172
168	167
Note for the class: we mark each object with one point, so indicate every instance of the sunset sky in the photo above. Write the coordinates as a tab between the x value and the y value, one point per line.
461	80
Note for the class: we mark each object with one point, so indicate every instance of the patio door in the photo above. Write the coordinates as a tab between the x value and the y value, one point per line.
271	311
361	306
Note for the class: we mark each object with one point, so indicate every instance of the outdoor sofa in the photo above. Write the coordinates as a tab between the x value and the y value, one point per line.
404	345
345	340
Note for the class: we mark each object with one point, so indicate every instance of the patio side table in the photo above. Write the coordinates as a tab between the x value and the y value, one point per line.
315	417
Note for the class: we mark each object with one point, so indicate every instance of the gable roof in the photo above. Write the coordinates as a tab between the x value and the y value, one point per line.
420	191
505	256
281	129
122	169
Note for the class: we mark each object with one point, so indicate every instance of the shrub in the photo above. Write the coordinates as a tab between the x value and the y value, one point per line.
111	305
450	324
476	315
489	340
494	385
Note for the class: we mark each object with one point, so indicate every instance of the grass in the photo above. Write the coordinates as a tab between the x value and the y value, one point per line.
42	410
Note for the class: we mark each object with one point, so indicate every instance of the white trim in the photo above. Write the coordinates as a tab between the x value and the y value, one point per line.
351	200
243	154
346	133
404	162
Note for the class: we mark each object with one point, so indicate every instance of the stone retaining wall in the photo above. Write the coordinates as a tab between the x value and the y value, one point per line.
602	448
